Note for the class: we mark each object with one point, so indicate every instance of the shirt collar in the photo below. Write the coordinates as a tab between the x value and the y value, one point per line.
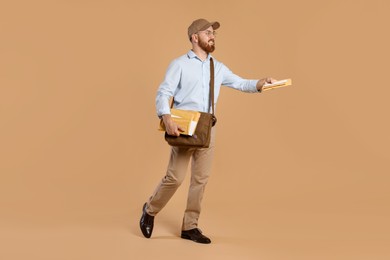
192	55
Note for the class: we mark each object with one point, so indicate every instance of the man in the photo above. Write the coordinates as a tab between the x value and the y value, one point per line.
187	80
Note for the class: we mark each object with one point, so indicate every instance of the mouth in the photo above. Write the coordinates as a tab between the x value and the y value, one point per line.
211	43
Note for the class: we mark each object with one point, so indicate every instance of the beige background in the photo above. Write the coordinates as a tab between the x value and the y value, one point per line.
300	173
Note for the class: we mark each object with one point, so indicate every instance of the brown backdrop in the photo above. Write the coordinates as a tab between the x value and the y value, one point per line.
300	173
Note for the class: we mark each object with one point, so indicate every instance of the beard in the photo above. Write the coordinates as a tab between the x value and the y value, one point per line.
206	45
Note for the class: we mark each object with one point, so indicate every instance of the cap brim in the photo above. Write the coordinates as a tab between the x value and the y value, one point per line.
215	25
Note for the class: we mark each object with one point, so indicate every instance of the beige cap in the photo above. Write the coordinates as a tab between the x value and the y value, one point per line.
201	25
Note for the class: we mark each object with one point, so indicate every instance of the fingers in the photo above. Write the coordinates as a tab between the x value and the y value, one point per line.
179	130
175	131
267	80
270	80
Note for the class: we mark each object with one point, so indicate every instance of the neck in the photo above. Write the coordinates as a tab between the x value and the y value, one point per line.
199	52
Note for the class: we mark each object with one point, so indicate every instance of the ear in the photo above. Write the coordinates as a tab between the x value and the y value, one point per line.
195	38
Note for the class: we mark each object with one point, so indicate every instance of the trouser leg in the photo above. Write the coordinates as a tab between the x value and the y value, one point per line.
200	171
175	174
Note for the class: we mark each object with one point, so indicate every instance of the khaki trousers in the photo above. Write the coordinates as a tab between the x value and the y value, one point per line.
200	171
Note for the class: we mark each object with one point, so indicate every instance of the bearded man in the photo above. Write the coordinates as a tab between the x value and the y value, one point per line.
187	81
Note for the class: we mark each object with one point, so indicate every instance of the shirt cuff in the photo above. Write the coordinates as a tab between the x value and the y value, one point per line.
163	111
253	84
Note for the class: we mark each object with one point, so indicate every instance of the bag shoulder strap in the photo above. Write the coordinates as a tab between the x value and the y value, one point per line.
211	87
212	84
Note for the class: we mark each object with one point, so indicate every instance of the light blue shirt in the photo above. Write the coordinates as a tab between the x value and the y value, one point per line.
187	80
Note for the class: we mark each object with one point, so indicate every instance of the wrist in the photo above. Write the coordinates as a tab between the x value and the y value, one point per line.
260	84
166	118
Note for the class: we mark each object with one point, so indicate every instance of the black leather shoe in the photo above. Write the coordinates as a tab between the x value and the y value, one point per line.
146	223
196	236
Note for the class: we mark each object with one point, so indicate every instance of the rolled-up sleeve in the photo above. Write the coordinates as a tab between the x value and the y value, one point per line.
236	82
167	88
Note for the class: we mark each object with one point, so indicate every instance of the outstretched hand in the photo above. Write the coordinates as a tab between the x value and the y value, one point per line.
263	81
